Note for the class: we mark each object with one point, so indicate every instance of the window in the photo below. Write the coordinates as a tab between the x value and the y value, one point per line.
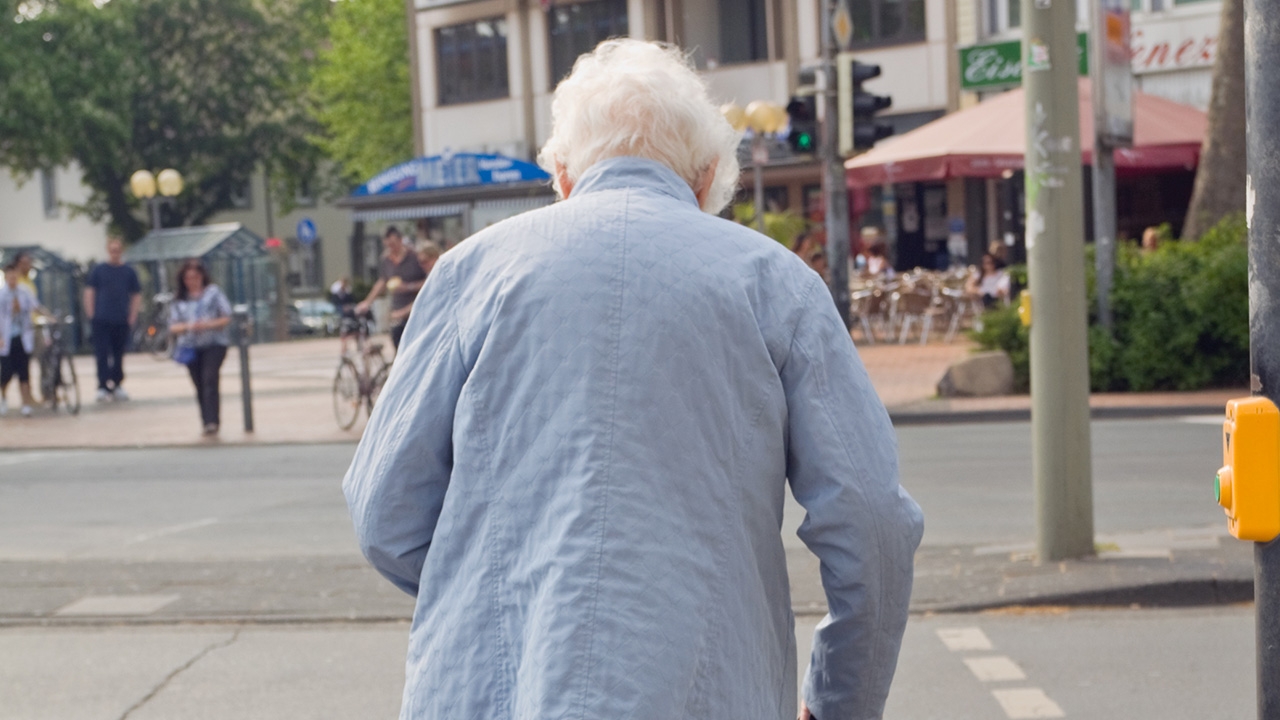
242	195
578	28
885	22
1003	15
725	32
302	195
471	61
49	192
744	36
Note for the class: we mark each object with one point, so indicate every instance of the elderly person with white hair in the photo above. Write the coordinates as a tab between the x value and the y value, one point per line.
578	464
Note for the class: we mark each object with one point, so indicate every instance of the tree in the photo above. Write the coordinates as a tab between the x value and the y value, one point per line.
362	88
213	88
1220	181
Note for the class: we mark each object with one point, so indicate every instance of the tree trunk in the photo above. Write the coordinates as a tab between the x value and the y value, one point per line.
1220	181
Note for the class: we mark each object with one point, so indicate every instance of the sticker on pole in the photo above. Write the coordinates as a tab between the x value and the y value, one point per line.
306	231
1037	56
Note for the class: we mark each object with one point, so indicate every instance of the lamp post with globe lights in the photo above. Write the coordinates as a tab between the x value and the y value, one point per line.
764	118
155	190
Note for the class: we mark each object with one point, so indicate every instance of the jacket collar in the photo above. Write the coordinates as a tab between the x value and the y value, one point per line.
632	172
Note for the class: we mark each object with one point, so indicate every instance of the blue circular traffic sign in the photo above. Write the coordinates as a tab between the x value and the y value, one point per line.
306	231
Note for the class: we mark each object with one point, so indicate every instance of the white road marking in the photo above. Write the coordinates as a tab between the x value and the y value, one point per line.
996	668
1026	703
18	458
1204	419
171	530
968	638
117	605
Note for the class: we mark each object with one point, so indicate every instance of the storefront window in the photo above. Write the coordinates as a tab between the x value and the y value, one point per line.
471	61
578	28
885	22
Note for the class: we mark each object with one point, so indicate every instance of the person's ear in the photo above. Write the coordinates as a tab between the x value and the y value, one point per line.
705	181
563	185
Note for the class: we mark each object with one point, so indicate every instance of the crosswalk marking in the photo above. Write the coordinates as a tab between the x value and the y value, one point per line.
116	605
1027	703
966	638
996	668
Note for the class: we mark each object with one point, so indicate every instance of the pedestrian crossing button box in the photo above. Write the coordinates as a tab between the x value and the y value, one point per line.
1248	485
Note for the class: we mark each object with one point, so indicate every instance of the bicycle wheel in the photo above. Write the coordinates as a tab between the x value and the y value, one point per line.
347	398
68	392
48	381
375	385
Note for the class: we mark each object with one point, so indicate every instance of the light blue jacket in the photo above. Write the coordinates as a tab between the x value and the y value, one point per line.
577	467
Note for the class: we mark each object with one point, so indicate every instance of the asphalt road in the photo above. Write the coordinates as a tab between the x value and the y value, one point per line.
232	537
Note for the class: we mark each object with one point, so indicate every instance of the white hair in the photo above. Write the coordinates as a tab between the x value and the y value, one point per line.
641	99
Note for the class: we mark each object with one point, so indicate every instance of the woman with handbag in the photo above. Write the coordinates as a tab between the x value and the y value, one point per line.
198	318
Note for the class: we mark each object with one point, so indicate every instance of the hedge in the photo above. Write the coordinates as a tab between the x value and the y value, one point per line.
1180	318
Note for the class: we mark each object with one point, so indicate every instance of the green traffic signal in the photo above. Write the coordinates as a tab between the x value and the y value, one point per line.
804	141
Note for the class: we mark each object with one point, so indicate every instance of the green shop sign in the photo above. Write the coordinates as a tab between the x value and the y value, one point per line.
983	67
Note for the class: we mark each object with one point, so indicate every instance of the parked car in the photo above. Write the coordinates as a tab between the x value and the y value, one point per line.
313	317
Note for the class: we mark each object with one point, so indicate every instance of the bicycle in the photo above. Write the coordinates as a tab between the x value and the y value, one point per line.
359	378
58	384
151	335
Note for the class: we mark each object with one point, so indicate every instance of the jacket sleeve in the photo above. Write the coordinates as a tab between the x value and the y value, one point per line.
396	484
843	468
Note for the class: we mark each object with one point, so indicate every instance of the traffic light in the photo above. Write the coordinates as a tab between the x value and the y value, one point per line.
1248	485
858	127
802	112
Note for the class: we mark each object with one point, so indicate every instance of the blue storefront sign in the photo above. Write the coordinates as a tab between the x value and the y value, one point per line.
440	172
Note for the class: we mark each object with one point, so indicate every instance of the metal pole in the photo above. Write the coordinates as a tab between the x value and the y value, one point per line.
759	155
1104	171
1262	120
1104	223
837	194
1055	249
240	317
162	282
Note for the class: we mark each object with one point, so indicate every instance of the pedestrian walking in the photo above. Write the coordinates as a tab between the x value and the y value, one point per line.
17	337
577	465
198	318
398	273
112	296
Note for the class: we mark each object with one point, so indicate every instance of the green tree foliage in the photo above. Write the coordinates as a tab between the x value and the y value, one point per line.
362	88
1181	318
213	88
784	227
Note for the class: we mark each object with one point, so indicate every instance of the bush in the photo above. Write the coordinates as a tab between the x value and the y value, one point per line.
1180	318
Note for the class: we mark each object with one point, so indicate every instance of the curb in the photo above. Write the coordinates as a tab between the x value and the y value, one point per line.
1171	594
903	417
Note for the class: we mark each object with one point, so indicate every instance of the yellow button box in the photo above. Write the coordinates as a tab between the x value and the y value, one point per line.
1248	485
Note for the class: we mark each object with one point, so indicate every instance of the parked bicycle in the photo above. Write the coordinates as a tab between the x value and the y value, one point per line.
59	388
360	375
151	335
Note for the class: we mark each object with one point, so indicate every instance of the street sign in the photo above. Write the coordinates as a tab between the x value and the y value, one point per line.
306	231
842	24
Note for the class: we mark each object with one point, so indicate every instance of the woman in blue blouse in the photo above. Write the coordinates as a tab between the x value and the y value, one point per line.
199	318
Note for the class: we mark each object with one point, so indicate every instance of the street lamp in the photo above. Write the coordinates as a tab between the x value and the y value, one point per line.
763	118
144	186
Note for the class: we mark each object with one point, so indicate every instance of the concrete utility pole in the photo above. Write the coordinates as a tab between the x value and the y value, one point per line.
1262	208
1055	256
837	196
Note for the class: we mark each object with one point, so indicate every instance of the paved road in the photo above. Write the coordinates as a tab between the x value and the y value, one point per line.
1094	665
241	531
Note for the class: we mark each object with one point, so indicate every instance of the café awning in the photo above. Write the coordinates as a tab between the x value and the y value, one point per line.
988	139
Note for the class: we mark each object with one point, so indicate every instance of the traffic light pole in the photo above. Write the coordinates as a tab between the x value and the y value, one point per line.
1055	252
833	179
1262	112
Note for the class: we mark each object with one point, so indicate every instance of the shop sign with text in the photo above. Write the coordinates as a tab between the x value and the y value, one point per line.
1000	64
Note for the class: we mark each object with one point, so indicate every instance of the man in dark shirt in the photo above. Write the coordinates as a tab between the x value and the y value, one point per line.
400	273
112	296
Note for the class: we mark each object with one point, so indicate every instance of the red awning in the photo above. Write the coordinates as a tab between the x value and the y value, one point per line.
989	138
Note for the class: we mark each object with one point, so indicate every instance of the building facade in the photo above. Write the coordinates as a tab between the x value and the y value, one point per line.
486	69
